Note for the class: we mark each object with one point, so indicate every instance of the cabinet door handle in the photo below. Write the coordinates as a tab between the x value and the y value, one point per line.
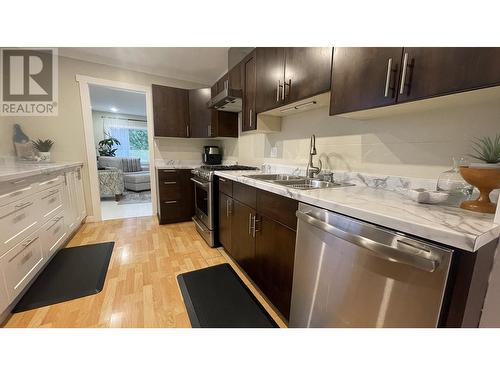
54	222
251	118
170	202
187	131
222	180
18	182
388	77
254	230
289	84
169	170
24	246
278	85
403	74
169	182
227	208
250	224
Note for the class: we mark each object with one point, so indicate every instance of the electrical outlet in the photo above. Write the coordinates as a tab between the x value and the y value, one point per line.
274	152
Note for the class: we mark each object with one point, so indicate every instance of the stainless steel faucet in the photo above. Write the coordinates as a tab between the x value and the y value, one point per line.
311	170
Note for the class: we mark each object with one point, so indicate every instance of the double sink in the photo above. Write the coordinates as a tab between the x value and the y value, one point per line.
297	182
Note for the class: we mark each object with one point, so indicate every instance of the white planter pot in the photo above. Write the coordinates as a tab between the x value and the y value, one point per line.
44	156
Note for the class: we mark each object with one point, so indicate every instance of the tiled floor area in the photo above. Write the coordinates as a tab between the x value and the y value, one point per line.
141	289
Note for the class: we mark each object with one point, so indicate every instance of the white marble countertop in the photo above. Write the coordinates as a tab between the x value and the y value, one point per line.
446	225
12	170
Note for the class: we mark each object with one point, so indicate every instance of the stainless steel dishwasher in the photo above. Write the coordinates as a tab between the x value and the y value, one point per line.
349	273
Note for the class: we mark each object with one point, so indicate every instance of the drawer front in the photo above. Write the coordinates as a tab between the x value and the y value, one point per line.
53	234
173	211
226	186
277	207
17	220
170	190
245	194
50	181
21	263
169	175
14	190
51	200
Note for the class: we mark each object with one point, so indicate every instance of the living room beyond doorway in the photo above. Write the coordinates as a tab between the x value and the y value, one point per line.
119	120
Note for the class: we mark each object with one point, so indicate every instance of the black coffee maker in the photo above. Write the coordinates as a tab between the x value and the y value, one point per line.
212	155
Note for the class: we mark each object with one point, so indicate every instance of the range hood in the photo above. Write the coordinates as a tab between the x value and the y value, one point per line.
228	100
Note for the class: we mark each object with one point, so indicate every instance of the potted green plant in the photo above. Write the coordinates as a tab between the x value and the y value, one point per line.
106	146
485	176
43	147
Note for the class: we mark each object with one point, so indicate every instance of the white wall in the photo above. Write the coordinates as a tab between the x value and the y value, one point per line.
416	144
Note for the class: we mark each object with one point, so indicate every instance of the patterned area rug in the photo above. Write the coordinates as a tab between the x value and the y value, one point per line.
131	197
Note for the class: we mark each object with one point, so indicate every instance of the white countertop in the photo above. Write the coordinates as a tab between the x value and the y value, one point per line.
446	225
14	170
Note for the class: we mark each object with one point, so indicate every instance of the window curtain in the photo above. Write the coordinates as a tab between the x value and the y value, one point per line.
119	129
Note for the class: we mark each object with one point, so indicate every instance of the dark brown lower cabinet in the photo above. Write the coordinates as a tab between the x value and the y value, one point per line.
243	246
261	239
274	259
175	195
225	216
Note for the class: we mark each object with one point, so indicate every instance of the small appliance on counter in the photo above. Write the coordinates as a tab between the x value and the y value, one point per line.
212	155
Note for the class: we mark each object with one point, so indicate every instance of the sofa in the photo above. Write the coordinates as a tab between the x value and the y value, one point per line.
136	177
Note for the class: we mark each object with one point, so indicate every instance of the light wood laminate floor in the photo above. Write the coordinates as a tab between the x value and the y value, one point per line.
141	288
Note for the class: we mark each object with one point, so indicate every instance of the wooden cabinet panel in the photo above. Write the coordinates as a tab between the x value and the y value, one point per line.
360	77
274	260
225	186
307	72
224	124
170	111
200	117
439	71
249	117
234	77
175	195
243	246
245	194
278	208
270	73
225	214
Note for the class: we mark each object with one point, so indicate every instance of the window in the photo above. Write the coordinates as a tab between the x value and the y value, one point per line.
133	137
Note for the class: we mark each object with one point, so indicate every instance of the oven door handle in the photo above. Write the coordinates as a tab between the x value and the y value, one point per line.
200	183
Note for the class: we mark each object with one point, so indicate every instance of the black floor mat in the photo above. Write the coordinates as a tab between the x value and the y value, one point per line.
216	297
74	272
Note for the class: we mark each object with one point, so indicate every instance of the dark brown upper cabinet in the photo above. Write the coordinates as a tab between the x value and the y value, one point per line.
364	78
223	124
307	72
270	74
248	117
170	111
200	117
430	72
287	75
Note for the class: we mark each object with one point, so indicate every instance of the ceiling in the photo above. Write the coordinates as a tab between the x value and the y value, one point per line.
202	65
120	101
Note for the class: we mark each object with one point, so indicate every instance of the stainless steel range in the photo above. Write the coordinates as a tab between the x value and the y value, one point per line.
206	199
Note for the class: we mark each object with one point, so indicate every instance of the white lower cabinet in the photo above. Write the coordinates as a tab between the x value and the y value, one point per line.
37	215
21	263
53	234
17	220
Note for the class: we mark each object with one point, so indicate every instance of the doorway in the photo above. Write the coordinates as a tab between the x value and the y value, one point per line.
119	149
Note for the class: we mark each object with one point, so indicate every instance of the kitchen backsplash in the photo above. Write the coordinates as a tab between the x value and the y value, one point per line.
417	144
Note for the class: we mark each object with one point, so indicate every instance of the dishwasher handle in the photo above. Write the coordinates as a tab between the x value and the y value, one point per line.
418	258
